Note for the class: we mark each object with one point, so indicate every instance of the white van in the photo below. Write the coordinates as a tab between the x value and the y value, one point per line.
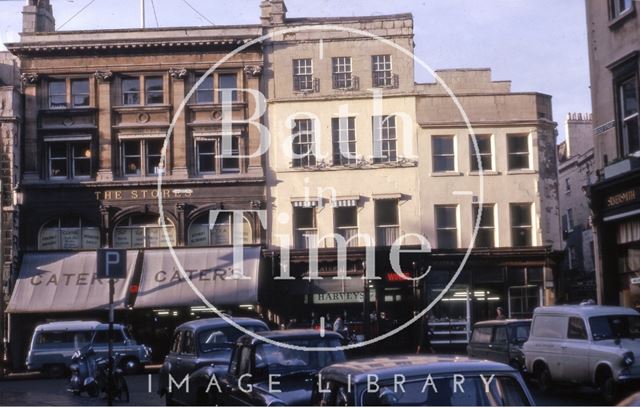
53	344
584	344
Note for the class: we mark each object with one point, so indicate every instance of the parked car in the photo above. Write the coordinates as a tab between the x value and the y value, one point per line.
266	374
200	350
585	344
53	345
429	380
500	341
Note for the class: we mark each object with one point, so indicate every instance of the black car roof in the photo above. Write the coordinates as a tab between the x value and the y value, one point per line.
289	334
411	366
206	323
502	322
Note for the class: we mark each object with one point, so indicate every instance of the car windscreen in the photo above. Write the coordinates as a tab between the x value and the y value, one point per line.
279	360
223	337
62	339
462	390
615	326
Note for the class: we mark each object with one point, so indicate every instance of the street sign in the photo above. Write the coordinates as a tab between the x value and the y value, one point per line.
112	263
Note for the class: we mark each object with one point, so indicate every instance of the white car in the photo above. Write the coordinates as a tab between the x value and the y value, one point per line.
584	344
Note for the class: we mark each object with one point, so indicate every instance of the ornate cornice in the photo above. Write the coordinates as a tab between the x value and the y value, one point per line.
104	76
253	70
29	78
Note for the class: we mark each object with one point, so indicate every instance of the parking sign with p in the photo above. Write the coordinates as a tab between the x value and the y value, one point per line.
112	263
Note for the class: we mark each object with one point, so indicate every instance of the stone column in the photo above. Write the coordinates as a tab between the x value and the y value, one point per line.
252	81
179	134
32	165
106	147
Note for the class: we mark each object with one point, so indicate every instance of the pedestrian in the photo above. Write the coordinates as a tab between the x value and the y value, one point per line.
500	313
340	327
424	337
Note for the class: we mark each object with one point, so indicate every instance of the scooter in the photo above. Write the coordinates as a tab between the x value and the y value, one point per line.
91	374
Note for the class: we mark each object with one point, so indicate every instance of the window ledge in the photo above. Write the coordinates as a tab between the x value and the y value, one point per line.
484	173
521	172
618	21
447	174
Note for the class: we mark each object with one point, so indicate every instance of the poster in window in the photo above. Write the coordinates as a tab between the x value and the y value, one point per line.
49	239
220	234
137	237
198	235
90	238
70	239
122	238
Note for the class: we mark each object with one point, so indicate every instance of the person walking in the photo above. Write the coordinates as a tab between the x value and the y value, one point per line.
500	313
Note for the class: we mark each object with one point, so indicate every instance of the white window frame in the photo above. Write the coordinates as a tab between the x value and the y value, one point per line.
342	72
382	64
302	74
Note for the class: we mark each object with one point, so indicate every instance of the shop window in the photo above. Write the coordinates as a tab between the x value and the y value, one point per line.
384	139
523	300
138	231
343	131
142	157
447	226
342	75
345	220
303	75
619	7
487	230
382	71
303	143
521	224
68	233
305	229
202	233
387	221
133	86
69	159
518	152
628	115
444	155
484	153
211	159
227	88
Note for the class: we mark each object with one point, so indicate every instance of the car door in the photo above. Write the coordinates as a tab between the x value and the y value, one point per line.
575	351
235	391
499	347
480	341
182	366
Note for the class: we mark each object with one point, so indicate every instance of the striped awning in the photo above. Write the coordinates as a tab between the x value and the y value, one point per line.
343	202
305	203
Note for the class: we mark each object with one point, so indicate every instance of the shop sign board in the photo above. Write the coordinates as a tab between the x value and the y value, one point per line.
342	297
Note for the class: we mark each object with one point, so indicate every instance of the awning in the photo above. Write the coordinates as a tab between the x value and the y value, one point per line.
65	282
211	270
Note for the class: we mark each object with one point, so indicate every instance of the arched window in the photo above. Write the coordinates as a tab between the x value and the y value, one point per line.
142	231
68	233
200	234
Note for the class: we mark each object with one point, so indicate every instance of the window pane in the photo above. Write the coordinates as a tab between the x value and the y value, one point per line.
227	82
344	140
305	218
230	160
153	90
81	159
204	94
57	94
446	226
521	224
386	212
518	150
384	139
303	143
346	217
131	91
206	156
58	165
154	154
445	216
80	92
484	151
302	75
132	157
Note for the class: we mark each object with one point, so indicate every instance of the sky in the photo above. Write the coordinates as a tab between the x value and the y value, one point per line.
540	45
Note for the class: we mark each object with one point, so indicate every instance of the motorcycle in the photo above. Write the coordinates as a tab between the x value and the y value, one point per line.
91	374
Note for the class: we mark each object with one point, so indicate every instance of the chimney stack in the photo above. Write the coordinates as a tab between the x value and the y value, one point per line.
37	16
273	12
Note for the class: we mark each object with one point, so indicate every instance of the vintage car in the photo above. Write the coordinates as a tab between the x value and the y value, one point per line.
262	373
500	341
586	345
53	344
429	380
200	350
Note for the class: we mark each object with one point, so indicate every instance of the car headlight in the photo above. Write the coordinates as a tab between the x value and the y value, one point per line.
628	359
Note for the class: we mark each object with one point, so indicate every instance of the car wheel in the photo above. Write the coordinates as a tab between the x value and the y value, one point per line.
609	390
543	377
130	366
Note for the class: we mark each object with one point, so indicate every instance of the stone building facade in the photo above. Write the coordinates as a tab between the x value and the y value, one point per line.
10	131
575	174
614	49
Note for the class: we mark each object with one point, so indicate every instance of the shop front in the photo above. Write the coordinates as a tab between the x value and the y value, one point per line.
616	207
152	300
